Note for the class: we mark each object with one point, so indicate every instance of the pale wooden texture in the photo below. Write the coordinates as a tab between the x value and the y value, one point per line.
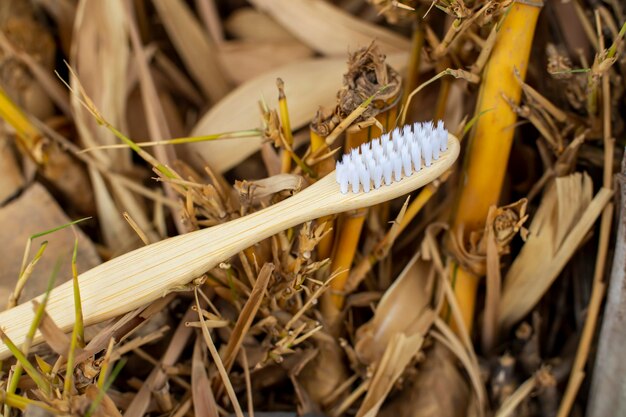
141	276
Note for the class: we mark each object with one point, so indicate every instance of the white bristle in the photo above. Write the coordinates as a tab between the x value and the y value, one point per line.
406	161
434	140
391	157
387	171
427	151
397	167
354	179
442	135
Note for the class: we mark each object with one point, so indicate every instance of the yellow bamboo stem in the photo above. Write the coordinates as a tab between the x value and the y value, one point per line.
489	146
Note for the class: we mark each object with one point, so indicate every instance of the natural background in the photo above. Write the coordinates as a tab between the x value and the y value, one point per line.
124	122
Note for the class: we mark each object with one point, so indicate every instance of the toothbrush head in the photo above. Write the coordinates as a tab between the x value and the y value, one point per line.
391	157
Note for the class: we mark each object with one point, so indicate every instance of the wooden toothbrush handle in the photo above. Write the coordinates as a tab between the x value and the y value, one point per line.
145	274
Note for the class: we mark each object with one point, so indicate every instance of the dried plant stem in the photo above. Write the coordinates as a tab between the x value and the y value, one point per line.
218	361
598	289
492	137
286	127
381	250
177	141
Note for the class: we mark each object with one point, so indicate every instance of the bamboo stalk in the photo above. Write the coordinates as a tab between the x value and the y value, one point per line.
492	137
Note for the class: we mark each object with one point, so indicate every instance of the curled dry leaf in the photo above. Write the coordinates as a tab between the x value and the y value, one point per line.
503	223
239	110
328	29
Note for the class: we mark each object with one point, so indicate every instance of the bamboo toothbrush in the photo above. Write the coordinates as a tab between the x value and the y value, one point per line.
386	168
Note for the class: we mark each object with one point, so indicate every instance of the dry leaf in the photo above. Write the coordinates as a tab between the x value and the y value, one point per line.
328	29
58	341
438	389
106	408
194	47
404	309
563	219
100	55
203	400
400	350
323	374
